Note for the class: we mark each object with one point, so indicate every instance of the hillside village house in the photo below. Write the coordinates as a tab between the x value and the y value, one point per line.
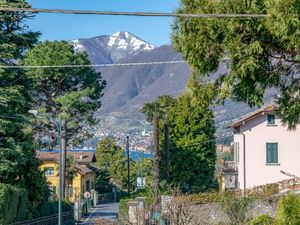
263	147
84	179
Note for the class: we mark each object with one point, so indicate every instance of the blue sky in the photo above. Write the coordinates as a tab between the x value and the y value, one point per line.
155	30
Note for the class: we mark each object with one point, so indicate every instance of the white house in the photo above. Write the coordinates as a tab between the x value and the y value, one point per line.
264	147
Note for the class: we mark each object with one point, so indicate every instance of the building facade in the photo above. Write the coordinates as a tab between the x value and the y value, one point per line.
84	179
264	149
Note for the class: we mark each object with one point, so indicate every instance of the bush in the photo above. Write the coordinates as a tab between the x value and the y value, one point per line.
236	208
13	204
288	212
262	220
51	207
123	209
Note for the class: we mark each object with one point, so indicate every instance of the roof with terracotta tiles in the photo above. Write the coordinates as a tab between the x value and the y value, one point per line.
266	109
79	157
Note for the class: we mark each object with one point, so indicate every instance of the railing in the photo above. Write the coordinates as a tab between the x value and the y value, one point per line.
229	167
67	219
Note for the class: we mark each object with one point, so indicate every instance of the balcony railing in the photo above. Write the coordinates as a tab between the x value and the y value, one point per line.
229	167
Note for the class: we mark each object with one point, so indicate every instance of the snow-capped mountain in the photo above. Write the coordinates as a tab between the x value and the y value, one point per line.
129	87
111	48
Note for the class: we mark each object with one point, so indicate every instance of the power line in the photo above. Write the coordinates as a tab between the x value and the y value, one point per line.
203	142
113	13
93	65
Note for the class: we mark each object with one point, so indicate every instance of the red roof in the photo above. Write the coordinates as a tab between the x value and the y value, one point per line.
266	109
79	157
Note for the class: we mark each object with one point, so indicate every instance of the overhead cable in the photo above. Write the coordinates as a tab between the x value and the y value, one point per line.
113	13
91	65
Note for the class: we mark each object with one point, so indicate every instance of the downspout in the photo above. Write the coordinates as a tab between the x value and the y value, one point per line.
244	156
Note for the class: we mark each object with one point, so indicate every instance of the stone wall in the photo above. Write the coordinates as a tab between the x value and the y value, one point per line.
212	213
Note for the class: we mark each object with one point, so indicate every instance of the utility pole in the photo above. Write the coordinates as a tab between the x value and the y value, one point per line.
128	164
142	169
60	191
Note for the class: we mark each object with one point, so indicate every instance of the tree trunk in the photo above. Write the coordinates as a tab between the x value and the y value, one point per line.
64	155
156	160
166	151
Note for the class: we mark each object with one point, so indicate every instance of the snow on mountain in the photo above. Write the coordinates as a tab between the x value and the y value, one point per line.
112	48
77	46
126	40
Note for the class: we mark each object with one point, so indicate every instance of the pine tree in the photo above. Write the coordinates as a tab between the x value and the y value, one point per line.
260	53
70	94
18	164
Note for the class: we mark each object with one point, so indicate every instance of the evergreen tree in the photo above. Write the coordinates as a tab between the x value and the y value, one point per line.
192	130
260	53
70	94
18	164
113	164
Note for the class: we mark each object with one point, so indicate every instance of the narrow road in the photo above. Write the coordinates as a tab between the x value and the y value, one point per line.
104	211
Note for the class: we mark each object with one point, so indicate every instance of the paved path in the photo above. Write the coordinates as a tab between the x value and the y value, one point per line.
105	211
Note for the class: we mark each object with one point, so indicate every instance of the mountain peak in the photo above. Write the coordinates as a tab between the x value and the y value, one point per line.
122	34
126	40
112	48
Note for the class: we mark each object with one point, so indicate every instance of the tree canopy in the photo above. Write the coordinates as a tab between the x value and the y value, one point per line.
18	164
113	164
72	94
259	53
192	145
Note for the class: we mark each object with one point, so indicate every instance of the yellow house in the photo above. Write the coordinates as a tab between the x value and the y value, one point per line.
84	179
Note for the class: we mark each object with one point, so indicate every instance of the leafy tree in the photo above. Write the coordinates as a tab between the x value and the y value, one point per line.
260	53
71	94
18	164
113	164
103	181
288	211
192	130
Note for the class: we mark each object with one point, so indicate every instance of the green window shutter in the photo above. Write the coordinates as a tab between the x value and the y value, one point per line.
272	152
275	152
271	119
269	153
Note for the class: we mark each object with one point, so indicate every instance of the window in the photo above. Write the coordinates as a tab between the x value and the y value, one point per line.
271	119
272	152
49	171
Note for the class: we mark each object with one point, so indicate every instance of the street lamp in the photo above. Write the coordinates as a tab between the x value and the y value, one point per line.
58	127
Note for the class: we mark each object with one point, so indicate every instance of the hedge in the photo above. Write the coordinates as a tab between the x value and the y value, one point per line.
13	204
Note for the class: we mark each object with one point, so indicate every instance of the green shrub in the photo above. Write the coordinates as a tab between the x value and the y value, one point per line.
123	208
13	204
51	207
288	212
262	220
236	208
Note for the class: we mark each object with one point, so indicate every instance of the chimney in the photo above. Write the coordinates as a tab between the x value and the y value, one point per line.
81	156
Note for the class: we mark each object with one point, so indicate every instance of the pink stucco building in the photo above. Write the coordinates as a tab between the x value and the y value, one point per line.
264	147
